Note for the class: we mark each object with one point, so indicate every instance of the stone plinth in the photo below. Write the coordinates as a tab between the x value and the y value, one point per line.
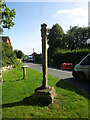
45	96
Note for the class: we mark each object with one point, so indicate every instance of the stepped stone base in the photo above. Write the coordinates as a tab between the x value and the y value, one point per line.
45	96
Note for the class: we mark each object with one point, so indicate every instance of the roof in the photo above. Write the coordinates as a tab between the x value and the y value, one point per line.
4	39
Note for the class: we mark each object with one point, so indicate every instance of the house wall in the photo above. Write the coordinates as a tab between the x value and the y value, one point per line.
8	41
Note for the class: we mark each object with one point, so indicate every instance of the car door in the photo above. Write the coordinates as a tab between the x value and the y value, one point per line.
86	66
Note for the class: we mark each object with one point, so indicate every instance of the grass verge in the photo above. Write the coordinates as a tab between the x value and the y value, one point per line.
69	103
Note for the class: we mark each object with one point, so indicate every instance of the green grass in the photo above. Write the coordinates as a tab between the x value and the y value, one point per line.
17	103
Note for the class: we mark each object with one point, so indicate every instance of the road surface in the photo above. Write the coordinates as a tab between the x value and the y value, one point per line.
62	74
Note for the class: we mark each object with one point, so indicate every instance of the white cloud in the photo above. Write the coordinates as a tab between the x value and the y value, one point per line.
73	17
73	12
77	15
65	11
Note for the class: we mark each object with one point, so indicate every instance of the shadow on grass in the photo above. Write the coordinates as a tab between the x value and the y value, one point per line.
16	80
64	84
31	100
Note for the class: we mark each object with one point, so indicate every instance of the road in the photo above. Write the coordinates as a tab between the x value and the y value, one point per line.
62	74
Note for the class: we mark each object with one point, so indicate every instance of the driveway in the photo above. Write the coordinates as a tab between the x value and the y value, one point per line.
62	74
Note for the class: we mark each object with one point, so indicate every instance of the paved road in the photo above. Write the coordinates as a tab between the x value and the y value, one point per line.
66	75
52	71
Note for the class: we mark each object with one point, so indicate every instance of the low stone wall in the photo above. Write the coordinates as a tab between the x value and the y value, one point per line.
4	69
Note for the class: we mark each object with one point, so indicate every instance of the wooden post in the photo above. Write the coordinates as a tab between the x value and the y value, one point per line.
44	55
24	71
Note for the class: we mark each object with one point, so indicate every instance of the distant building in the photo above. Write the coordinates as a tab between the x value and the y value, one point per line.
89	13
6	39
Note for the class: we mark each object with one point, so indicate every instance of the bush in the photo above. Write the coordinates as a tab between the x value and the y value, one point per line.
8	56
17	63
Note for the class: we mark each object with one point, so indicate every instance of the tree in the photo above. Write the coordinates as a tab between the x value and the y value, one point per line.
55	38
69	41
6	16
76	37
19	53
38	57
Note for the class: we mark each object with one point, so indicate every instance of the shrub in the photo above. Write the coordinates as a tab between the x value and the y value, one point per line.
8	56
17	63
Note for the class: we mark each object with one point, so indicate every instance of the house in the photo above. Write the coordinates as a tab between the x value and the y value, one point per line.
6	39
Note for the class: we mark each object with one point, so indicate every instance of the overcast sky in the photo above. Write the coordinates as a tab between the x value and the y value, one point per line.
26	35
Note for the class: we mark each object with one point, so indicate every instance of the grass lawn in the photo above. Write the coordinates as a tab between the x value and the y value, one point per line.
17	103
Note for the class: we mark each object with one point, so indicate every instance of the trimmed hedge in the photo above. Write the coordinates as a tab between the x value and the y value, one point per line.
68	56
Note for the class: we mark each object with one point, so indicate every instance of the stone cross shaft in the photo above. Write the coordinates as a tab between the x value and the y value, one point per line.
44	55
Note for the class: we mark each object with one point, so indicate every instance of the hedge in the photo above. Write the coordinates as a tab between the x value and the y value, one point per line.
68	56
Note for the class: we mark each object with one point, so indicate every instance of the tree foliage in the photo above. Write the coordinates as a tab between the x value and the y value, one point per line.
19	54
38	57
8	56
76	37
6	16
55	38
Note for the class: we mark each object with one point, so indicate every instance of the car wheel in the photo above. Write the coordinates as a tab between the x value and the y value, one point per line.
81	77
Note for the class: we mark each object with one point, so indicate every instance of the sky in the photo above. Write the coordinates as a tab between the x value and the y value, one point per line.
26	34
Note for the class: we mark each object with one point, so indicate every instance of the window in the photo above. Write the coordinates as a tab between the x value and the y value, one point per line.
86	61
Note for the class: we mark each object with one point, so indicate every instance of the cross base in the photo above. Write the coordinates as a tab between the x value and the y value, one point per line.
45	96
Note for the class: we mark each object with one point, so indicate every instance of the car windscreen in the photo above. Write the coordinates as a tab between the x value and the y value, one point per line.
86	61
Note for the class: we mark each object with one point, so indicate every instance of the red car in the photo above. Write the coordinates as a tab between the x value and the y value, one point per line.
66	66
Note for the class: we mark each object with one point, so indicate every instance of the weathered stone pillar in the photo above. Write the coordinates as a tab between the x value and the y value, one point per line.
44	55
44	93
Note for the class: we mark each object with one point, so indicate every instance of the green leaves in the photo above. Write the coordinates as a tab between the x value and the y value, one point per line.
8	56
7	16
76	37
19	53
55	38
